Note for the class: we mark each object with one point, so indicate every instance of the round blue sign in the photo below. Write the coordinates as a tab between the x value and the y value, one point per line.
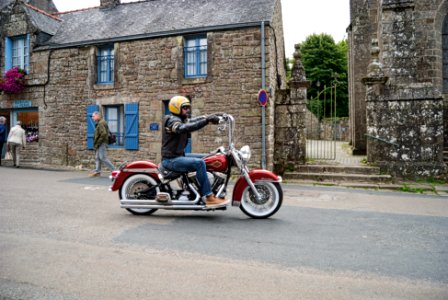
263	97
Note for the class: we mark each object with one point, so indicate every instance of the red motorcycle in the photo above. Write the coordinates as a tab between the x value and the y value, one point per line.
144	187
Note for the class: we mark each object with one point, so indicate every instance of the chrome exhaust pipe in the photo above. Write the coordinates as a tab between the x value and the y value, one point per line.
163	206
155	202
131	203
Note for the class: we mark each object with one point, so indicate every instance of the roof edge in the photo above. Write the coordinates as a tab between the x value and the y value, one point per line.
42	12
150	35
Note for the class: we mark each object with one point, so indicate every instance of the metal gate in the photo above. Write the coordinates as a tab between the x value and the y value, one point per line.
320	125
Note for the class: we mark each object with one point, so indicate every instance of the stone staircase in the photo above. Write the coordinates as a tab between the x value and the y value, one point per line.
337	174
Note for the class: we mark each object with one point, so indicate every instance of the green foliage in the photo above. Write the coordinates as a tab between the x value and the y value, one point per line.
325	65
410	189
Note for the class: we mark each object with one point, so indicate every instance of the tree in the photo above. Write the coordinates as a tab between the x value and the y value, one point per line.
325	64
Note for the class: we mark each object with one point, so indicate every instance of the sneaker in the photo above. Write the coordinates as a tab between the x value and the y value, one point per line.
94	174
212	201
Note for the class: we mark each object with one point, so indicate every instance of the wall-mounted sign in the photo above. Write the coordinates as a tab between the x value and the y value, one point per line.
22	104
154	126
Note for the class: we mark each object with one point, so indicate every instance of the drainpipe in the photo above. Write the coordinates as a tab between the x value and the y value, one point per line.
263	109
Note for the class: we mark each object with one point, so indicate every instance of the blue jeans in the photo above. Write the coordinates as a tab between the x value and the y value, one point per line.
184	164
101	157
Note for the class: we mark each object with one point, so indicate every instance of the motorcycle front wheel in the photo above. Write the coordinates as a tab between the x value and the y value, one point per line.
132	186
271	199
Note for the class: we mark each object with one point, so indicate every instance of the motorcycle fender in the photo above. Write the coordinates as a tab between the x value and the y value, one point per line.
141	167
255	175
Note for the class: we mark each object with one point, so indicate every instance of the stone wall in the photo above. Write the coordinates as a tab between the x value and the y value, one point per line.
404	104
405	127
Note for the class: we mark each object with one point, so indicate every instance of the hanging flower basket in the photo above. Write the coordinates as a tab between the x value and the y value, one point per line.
13	82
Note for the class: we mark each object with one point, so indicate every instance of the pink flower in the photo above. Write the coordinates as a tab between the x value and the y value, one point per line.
13	82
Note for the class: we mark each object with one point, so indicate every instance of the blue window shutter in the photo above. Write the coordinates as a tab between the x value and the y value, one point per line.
91	125
131	131
8	54
27	54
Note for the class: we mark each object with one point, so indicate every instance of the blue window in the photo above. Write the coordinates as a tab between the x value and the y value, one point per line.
17	52
122	121
105	65
195	57
114	115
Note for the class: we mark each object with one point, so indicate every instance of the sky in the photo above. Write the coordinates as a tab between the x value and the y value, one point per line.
301	18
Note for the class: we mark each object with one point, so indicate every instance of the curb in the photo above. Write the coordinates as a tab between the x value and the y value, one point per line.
404	186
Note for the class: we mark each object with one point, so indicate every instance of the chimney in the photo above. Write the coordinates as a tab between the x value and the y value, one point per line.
109	3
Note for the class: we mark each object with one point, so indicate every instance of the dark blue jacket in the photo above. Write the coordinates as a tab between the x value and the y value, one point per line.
3	136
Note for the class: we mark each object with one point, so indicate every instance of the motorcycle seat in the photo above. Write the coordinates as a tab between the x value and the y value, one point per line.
167	173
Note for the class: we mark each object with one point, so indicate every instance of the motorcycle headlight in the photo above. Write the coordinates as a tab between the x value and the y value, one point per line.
245	153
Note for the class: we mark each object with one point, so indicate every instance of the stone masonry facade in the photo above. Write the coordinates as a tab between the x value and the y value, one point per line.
396	84
61	85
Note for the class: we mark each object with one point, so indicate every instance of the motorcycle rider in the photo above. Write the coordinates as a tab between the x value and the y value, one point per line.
177	129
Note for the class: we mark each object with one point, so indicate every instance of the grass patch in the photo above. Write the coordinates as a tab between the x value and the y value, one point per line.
410	189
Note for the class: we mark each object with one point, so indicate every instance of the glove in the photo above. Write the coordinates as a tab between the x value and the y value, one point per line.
214	119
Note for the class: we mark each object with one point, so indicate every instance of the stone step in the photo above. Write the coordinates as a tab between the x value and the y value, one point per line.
338	169
337	177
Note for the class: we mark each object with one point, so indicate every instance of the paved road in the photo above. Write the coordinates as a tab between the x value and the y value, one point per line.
63	236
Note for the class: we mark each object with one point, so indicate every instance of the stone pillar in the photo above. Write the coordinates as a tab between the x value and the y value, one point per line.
359	37
404	124
290	142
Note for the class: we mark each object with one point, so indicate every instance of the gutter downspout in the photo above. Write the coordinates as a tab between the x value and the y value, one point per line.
263	108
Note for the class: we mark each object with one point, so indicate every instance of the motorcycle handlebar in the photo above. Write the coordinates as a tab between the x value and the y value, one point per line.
224	121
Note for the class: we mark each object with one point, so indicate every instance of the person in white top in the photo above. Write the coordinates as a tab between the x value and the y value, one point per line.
16	140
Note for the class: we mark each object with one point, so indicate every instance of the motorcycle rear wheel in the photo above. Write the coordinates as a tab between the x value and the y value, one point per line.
270	202
135	184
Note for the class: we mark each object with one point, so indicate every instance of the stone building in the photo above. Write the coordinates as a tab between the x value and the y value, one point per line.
398	70
127	60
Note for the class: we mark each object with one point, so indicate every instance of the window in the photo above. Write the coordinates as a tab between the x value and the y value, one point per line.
17	52
30	123
122	120
105	65
195	57
114	117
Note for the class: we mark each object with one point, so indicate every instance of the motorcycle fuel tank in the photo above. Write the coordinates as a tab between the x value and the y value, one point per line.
216	163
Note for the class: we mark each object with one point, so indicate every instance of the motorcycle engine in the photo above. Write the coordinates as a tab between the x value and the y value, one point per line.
216	180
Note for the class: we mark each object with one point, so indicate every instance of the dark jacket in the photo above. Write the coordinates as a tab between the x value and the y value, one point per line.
176	132
101	134
3	133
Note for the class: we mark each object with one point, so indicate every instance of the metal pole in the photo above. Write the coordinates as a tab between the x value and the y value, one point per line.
263	111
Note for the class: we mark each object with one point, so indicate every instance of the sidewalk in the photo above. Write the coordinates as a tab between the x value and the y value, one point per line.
344	159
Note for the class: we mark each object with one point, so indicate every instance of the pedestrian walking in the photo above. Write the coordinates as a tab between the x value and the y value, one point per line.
100	142
16	140
3	136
